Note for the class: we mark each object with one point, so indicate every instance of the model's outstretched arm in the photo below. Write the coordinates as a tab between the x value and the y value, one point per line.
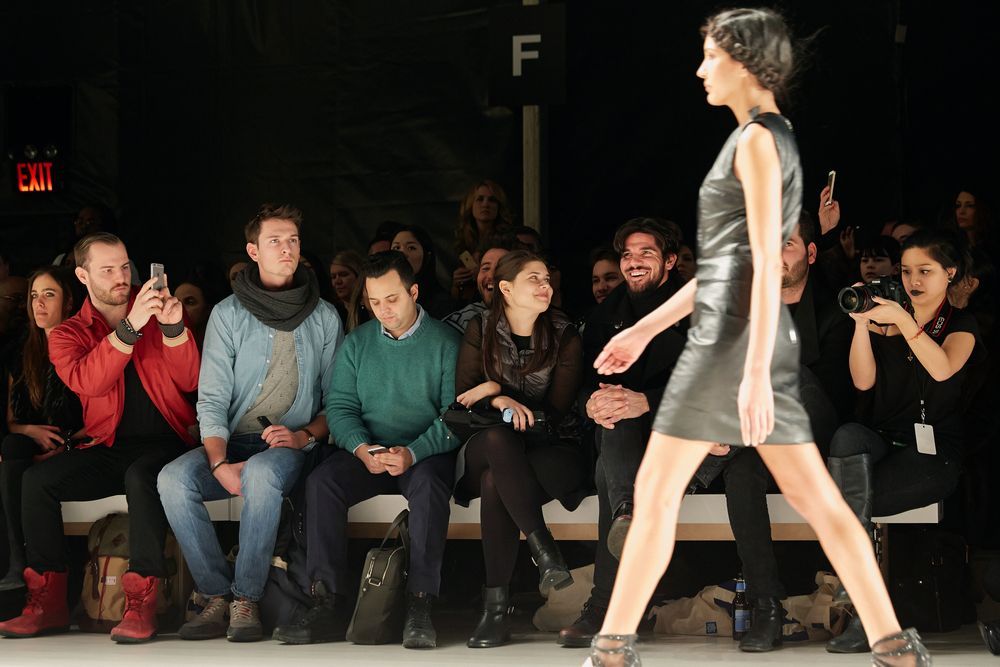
759	169
624	348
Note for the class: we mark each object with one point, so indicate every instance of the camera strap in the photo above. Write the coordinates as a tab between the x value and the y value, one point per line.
925	432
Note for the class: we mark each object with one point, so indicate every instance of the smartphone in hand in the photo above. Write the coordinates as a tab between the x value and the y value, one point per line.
378	450
468	261
156	271
831	180
264	421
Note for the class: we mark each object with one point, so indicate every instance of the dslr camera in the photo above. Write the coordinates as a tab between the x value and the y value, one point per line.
862	298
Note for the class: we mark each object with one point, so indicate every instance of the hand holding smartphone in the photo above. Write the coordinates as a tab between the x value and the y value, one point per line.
378	450
264	421
468	261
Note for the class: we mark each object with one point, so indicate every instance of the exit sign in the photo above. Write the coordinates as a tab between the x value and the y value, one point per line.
34	177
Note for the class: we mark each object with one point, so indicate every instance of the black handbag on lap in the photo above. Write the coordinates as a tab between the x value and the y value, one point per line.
379	613
465	423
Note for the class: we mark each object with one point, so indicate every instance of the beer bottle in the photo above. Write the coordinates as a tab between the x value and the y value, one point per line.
741	609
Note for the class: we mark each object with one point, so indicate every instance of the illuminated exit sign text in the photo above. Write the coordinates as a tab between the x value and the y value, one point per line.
34	177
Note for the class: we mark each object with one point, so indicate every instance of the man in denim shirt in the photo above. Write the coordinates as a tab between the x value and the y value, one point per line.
268	354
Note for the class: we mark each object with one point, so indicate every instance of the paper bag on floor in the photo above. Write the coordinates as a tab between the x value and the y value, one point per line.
706	614
818	617
563	607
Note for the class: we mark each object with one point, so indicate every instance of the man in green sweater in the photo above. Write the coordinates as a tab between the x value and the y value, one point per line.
392	379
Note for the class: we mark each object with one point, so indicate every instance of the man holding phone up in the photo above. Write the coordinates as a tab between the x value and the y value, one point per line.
268	353
129	357
392	380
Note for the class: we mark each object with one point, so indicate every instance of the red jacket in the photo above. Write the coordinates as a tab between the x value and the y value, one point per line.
91	360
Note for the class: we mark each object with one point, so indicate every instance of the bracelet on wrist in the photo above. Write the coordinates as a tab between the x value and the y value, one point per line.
216	465
916	335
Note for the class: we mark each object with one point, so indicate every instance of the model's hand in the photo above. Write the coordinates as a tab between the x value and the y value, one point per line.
374	466
172	311
147	304
523	417
829	214
478	393
396	461
622	351
755	401
228	475
45	436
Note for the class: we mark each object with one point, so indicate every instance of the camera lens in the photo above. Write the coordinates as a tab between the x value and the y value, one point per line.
849	300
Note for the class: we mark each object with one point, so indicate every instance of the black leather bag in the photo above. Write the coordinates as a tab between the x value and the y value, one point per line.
379	613
465	423
928	578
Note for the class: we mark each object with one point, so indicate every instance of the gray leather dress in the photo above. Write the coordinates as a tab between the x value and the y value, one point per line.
700	400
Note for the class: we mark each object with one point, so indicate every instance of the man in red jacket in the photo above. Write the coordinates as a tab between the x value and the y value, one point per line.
129	357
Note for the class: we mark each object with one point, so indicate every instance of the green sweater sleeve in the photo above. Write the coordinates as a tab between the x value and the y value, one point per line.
437	439
343	405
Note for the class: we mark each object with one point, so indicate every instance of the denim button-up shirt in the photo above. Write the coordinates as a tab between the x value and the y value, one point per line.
234	365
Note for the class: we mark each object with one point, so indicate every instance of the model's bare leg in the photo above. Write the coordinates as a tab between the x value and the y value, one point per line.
802	476
666	469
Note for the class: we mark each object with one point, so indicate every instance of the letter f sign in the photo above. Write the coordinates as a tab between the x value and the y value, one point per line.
520	54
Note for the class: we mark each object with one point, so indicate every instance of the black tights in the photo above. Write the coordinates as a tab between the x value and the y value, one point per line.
498	469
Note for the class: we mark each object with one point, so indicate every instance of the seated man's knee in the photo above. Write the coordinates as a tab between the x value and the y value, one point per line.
262	476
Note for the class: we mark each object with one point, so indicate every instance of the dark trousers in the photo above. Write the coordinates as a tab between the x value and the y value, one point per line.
16	452
129	467
621	451
747	482
904	478
342	481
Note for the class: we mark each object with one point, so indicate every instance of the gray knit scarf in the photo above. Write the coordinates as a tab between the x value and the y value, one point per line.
283	310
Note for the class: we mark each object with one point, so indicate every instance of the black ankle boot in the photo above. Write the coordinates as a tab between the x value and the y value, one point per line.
853	640
583	629
990	632
621	520
552	570
765	627
494	625
419	631
326	620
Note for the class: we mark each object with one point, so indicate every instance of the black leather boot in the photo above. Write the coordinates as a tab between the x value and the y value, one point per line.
853	639
419	631
854	476
326	620
11	473
583	629
990	632
765	627
552	570
494	625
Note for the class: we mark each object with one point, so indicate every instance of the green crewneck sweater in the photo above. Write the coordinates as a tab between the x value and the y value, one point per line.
392	392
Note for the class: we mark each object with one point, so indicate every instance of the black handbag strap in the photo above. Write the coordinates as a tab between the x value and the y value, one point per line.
401	525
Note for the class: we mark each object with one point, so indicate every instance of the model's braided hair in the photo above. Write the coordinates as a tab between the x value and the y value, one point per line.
759	40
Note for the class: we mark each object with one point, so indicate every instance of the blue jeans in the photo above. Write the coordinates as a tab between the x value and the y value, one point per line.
185	485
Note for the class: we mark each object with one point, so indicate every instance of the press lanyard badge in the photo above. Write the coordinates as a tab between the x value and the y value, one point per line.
925	434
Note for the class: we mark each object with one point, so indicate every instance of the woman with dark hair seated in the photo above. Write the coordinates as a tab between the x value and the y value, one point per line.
909	363
418	247
524	360
41	411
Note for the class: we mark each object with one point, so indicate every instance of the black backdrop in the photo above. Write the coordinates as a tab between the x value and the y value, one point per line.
185	116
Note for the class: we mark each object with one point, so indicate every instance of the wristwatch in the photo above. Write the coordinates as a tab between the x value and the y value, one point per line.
312	438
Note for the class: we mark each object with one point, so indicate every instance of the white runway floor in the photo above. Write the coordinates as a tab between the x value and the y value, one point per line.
962	647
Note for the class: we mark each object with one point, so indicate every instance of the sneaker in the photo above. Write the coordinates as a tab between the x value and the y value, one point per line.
244	621
211	623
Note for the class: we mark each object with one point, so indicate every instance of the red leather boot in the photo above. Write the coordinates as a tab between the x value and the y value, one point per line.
45	608
139	620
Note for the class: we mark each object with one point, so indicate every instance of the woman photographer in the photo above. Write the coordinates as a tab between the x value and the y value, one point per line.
40	409
909	364
522	358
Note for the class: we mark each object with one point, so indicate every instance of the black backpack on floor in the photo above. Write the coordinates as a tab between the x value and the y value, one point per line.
928	578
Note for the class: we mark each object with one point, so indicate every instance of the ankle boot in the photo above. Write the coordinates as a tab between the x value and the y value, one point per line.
765	627
45	609
854	475
494	625
990	632
418	631
853	639
902	648
621	521
326	621
11	473
139	620
552	570
581	632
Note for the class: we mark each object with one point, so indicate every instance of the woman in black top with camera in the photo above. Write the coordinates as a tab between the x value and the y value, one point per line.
524	359
41	412
909	363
